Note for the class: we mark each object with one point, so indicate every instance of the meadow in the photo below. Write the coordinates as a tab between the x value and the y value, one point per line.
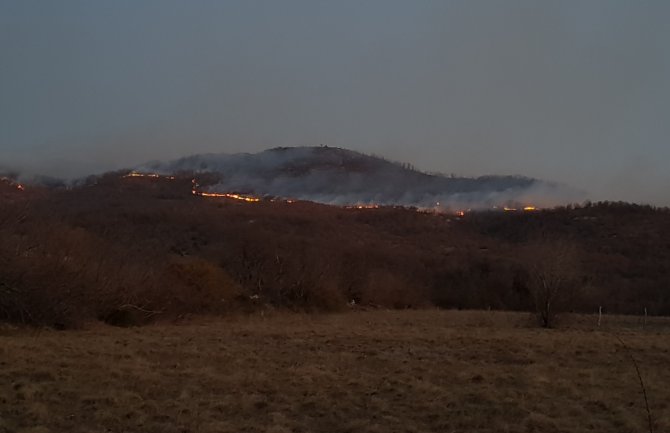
357	371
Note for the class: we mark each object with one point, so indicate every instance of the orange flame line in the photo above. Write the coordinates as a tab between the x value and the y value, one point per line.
227	195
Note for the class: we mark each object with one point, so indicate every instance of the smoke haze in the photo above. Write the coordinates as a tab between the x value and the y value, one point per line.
574	92
343	177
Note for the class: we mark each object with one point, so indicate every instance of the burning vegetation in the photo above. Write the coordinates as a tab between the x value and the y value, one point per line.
12	183
148	175
520	209
341	177
195	187
119	250
196	190
248	199
234	196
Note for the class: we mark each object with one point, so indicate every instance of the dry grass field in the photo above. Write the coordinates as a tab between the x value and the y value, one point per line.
413	371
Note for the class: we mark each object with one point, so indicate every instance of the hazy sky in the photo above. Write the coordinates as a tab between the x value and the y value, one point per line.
572	91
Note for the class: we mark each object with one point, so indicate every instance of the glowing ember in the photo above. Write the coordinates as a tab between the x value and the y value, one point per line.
227	195
525	209
10	182
233	196
135	174
363	206
148	175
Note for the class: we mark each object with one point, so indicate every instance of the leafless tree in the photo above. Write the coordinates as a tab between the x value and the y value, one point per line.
554	282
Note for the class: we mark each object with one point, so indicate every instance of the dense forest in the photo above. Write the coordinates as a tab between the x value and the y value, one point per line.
129	250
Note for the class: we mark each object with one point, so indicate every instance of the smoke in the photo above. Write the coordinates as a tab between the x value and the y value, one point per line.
341	177
33	177
567	90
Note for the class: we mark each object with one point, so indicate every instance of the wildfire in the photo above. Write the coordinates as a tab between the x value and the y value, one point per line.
363	206
135	174
194	189
11	182
525	209
246	198
251	199
148	175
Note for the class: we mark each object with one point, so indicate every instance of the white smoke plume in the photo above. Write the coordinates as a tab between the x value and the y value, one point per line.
341	177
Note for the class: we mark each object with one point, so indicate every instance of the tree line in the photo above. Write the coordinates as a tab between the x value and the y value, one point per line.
129	251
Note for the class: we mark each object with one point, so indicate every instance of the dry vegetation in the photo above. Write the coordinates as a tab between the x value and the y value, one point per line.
133	250
410	371
214	280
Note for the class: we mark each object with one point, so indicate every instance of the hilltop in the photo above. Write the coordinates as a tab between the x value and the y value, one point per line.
339	176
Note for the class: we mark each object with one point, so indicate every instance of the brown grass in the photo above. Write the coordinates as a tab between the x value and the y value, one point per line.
409	371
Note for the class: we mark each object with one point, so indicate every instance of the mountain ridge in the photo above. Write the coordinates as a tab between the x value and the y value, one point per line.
339	176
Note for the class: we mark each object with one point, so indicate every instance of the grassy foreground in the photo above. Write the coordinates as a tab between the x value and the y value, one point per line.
414	371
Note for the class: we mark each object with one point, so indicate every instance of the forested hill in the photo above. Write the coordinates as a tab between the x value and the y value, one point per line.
339	176
127	249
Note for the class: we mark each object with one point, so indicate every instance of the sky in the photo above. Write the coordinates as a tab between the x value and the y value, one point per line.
571	91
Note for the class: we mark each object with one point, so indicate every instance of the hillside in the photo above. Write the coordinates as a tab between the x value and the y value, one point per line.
135	249
343	177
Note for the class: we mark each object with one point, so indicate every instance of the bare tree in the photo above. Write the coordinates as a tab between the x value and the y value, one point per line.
554	282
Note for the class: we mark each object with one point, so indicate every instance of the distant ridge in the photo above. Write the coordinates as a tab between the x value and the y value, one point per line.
338	176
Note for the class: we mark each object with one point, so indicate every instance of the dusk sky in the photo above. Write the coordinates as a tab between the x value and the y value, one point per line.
569	91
